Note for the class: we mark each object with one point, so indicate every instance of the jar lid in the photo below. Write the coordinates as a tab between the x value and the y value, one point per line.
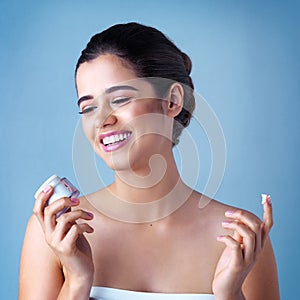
53	181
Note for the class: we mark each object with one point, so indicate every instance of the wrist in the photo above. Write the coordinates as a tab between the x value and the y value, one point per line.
76	289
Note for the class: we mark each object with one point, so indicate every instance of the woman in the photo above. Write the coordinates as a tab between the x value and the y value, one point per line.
135	97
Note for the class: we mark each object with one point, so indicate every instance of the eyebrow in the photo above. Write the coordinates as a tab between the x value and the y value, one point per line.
84	98
108	91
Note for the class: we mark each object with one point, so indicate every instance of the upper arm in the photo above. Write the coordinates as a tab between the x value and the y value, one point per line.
262	281
40	272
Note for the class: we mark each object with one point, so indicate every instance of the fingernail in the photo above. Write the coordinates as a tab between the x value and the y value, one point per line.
269	200
263	198
74	200
229	213
226	224
90	214
47	189
219	237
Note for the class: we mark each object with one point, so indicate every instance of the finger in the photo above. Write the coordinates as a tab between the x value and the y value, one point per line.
247	218
67	220
75	231
237	237
267	218
41	202
248	239
236	261
53	209
250	220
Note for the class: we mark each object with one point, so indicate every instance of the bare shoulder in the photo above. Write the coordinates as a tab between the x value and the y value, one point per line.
35	240
212	208
87	202
204	212
262	281
36	257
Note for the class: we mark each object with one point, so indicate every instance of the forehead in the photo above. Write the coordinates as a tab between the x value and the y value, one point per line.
94	76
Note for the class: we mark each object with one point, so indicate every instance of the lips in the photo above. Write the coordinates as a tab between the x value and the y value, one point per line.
114	140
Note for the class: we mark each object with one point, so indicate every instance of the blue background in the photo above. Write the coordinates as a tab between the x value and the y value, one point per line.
246	58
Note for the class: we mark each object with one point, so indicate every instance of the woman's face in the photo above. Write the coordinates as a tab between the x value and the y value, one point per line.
122	118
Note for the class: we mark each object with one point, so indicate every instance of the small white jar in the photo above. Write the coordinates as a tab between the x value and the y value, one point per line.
62	188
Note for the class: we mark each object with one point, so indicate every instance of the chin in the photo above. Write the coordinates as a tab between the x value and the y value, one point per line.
134	158
118	165
115	161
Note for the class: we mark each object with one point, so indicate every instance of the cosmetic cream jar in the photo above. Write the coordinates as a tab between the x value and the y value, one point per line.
62	187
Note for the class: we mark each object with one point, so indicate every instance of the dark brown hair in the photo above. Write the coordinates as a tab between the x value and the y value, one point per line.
150	54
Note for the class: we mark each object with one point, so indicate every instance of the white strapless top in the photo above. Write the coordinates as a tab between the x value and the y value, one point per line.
105	293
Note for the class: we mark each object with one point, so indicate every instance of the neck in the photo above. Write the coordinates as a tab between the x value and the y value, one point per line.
138	197
144	195
148	184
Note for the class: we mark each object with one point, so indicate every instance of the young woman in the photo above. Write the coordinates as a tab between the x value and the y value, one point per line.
135	97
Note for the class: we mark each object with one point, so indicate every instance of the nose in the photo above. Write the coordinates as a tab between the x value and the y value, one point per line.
109	120
105	117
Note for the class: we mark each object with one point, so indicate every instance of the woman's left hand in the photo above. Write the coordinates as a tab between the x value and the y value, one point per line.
242	250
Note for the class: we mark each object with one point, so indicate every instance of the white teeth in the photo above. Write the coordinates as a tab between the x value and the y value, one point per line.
106	140
112	139
115	138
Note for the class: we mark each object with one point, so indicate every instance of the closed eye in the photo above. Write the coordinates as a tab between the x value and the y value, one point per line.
87	110
120	101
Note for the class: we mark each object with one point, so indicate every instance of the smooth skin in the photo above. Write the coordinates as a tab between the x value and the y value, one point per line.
215	249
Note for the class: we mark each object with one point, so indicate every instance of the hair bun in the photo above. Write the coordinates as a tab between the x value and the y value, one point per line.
187	62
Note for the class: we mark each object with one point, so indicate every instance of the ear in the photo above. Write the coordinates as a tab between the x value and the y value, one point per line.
175	100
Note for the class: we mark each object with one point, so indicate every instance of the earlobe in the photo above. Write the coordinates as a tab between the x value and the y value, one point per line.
175	101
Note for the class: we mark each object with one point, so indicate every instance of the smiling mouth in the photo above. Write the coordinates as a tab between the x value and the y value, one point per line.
115	138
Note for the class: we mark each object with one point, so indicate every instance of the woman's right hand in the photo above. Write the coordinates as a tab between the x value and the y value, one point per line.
65	236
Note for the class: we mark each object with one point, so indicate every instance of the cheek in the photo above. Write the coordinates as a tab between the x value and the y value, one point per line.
149	106
88	130
154	128
144	114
